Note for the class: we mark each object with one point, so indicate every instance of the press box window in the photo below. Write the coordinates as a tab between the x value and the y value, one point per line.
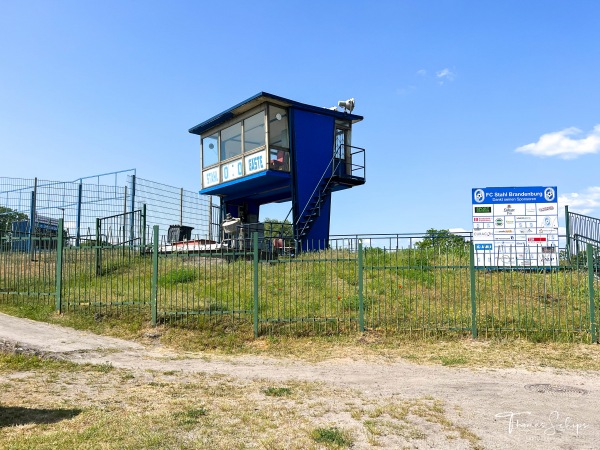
231	141
278	128
279	141
210	150
254	132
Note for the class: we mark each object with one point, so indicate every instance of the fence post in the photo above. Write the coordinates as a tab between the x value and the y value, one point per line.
125	224
32	219
210	218
568	231
154	288
98	248
78	219
255	281
132	205
473	290
143	226
590	263
181	206
59	252
361	303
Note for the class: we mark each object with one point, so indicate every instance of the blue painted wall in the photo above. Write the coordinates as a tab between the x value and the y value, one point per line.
312	150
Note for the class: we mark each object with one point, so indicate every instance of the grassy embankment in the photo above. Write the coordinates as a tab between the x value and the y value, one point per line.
417	306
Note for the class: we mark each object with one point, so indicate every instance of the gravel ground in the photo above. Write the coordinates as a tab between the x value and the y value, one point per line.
506	408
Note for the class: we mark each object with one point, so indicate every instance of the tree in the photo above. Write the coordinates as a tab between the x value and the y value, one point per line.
442	239
278	228
7	217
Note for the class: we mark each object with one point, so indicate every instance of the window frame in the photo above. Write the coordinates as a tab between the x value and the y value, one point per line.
263	108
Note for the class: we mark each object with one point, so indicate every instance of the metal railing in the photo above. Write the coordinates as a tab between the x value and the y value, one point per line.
580	229
393	284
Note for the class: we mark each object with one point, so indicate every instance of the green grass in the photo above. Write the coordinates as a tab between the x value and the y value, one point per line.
190	416
453	360
332	436
314	294
19	362
278	391
180	275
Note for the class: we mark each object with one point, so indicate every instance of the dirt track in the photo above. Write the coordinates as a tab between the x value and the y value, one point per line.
498	405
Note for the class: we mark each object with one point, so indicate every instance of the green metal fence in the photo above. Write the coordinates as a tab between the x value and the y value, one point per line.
27	276
375	284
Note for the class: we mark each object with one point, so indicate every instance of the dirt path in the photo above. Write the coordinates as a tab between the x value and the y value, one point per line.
498	405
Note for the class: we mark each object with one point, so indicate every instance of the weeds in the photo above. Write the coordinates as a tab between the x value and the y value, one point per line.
332	436
277	391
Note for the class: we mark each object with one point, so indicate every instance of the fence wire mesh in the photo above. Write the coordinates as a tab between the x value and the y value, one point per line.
78	204
342	289
403	283
168	205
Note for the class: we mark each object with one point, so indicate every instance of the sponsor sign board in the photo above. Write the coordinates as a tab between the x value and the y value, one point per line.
512	226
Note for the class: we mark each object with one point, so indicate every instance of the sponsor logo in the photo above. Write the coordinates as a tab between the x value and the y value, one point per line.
482	219
506	259
546	230
499	221
483	246
503	238
549	194
483	233
536	239
546	208
524	218
479	195
507	231
509	209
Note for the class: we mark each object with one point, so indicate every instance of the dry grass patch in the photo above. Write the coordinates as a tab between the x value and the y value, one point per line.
59	405
233	338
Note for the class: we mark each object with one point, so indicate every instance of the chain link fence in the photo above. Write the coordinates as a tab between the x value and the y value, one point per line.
32	207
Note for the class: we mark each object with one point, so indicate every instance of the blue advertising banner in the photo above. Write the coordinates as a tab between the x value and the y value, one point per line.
533	194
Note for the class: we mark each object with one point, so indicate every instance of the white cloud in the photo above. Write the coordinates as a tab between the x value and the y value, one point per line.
441	77
445	75
406	90
584	202
563	145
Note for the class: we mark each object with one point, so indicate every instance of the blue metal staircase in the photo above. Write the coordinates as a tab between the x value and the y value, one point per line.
335	174
312	210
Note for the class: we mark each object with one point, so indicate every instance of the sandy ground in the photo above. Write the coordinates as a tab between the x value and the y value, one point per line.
499	405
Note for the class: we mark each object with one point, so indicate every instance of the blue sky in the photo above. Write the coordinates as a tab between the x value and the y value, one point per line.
455	94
